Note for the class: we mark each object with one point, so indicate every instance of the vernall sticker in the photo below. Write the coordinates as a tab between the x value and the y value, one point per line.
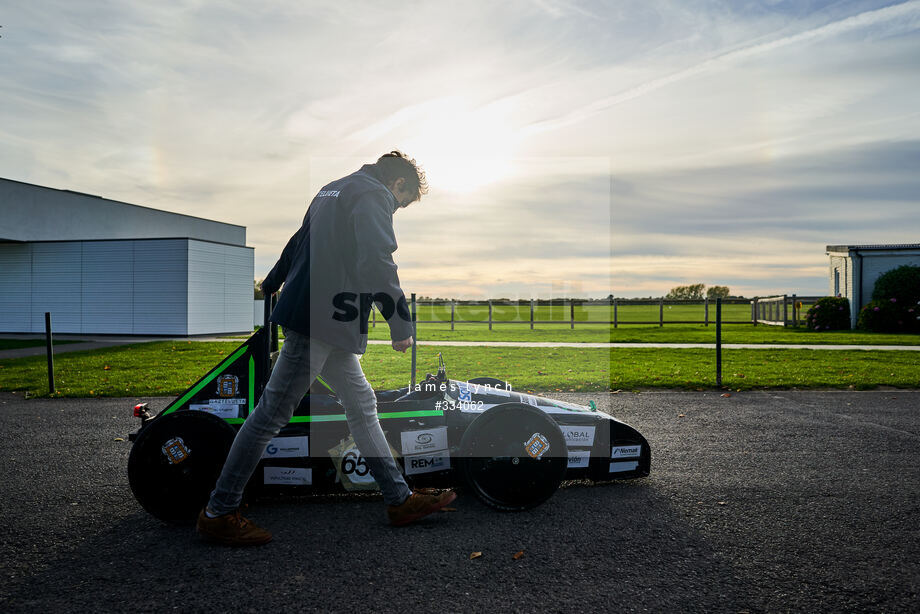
624	466
625	451
578	436
579	458
287	447
426	464
429	440
289	476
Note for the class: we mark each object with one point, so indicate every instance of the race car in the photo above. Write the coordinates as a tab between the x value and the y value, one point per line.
511	449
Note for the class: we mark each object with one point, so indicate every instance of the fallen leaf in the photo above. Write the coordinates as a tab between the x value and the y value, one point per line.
721	502
726	395
119	439
107	368
681	415
517	555
475	555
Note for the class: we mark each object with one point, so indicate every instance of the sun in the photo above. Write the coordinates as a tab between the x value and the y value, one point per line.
463	149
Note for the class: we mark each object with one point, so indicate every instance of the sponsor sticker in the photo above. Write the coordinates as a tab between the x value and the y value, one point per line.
213	402
287	447
290	476
526	398
228	386
625	451
578	435
426	463
430	440
536	446
623	466
221	410
579	458
175	451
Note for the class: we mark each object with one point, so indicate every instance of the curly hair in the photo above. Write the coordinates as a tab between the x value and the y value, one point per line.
395	165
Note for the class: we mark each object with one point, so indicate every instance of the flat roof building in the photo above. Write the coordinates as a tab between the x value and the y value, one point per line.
102	266
854	269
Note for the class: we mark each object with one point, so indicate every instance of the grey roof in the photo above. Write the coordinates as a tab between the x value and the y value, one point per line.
38	213
893	246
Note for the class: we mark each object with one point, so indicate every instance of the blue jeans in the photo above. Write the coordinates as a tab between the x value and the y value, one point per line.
300	361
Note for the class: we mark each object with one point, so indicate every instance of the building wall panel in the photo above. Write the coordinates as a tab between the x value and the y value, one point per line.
57	277
160	301
108	287
16	298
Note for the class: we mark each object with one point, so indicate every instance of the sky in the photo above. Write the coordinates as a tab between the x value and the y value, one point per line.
572	148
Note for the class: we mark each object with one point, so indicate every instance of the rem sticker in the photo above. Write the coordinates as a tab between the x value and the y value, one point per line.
536	446
426	464
624	466
287	447
430	440
625	451
228	386
221	410
175	451
288	476
579	458
576	436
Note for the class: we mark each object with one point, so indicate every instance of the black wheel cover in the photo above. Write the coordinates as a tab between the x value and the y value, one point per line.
175	485
495	464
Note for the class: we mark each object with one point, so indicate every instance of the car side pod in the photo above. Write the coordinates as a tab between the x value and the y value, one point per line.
175	462
513	457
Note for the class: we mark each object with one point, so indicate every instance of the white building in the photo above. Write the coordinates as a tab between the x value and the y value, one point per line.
855	268
106	267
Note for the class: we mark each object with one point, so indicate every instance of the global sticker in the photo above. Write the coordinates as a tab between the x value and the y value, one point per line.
536	446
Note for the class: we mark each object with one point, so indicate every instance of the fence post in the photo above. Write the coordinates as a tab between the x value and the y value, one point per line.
49	348
614	313
718	342
754	312
452	315
490	314
785	310
373	316
414	344
706	310
572	313
531	314
661	312
795	312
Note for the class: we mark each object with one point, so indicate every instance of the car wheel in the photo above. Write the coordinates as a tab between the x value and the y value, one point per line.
176	461
513	457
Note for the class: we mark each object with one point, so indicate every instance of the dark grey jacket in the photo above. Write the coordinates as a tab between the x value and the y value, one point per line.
340	261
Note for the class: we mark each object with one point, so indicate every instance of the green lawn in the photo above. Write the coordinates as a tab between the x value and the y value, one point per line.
674	333
168	368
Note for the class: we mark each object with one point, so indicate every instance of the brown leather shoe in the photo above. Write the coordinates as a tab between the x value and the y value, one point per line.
417	506
231	530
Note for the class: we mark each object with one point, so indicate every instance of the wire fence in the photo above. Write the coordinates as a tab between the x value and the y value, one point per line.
783	310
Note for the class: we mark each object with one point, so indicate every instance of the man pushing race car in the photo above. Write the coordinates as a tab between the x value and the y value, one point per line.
333	268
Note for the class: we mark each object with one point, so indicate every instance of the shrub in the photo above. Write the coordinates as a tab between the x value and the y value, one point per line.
895	304
902	283
829	313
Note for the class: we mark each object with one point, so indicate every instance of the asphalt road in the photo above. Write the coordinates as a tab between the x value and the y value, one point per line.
763	501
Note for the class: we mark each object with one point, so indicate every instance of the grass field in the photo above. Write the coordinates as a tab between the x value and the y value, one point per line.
674	333
168	368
